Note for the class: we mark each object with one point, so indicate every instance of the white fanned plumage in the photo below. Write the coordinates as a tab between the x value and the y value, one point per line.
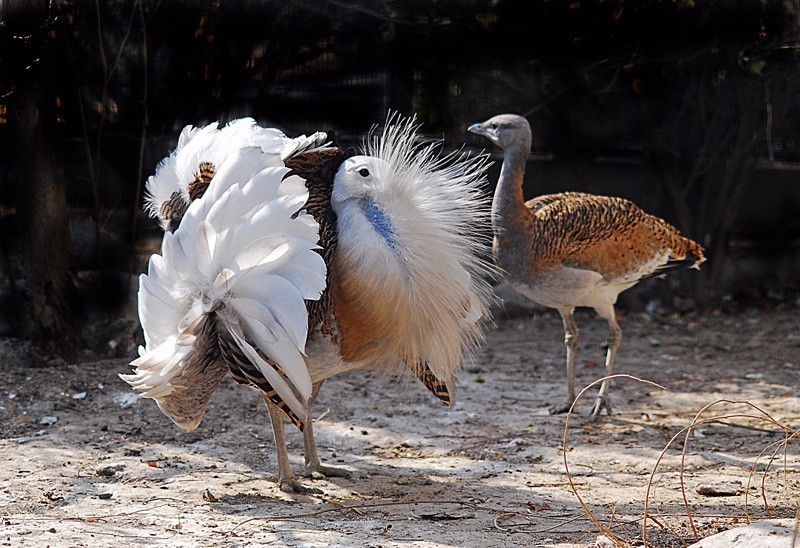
216	146
245	258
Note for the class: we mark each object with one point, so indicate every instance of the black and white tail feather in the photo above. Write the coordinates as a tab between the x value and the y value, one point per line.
239	267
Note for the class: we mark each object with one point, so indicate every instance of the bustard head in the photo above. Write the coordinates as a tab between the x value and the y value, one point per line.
400	187
505	130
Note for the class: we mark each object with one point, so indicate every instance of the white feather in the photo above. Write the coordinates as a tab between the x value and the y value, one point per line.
219	147
242	254
432	270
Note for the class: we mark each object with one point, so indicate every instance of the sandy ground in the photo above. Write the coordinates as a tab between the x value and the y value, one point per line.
86	463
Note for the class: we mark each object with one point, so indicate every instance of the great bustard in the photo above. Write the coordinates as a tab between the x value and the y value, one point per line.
574	249
238	288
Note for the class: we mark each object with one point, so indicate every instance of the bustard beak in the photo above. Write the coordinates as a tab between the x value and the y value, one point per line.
477	128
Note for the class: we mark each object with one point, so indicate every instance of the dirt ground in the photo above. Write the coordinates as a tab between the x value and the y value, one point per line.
87	463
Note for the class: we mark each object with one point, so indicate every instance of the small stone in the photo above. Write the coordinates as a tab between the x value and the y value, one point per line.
603	541
721	489
109	471
774	533
48	421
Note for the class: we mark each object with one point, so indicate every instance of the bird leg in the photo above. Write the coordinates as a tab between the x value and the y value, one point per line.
286	478
313	464
603	400
571	342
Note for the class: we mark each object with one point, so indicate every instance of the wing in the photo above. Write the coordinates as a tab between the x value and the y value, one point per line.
608	235
237	271
540	202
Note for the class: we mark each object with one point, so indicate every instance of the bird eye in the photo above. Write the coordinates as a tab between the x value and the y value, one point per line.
364	172
494	126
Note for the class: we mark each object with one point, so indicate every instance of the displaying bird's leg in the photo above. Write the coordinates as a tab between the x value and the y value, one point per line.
603	400
571	342
313	464
286	478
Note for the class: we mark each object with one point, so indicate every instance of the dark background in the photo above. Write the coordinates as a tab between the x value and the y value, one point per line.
689	108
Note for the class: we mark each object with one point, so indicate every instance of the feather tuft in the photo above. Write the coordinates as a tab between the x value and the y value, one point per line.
214	147
413	267
242	261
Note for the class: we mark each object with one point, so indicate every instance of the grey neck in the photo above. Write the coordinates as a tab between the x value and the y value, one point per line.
509	214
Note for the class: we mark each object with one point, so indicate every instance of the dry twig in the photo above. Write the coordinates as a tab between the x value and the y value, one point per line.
600	526
762	416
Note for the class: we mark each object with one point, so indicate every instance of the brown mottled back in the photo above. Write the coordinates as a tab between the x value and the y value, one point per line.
318	167
611	236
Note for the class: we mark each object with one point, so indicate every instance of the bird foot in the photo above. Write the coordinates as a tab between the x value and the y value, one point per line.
320	471
560	408
602	402
291	485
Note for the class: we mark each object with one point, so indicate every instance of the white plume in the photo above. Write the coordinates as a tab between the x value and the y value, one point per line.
215	146
414	244
242	258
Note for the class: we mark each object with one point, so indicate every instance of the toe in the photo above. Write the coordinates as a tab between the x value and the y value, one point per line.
294	486
602	402
333	471
325	470
560	408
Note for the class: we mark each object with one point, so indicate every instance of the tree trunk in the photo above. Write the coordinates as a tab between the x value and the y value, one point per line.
42	203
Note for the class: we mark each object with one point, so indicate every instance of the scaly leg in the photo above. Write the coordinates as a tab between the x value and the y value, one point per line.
603	400
313	464
571	342
286	478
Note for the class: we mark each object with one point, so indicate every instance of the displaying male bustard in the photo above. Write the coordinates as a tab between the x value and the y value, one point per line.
397	280
574	249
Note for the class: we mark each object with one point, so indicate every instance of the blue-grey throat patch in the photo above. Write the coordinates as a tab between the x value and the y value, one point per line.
379	221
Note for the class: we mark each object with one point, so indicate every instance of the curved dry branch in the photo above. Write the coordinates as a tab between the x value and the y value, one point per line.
602	528
764	416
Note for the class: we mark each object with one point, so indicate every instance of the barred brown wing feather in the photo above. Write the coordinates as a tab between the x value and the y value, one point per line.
172	211
202	179
318	168
246	373
432	383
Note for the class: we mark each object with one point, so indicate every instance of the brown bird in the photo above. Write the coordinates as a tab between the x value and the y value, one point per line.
288	261
575	249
